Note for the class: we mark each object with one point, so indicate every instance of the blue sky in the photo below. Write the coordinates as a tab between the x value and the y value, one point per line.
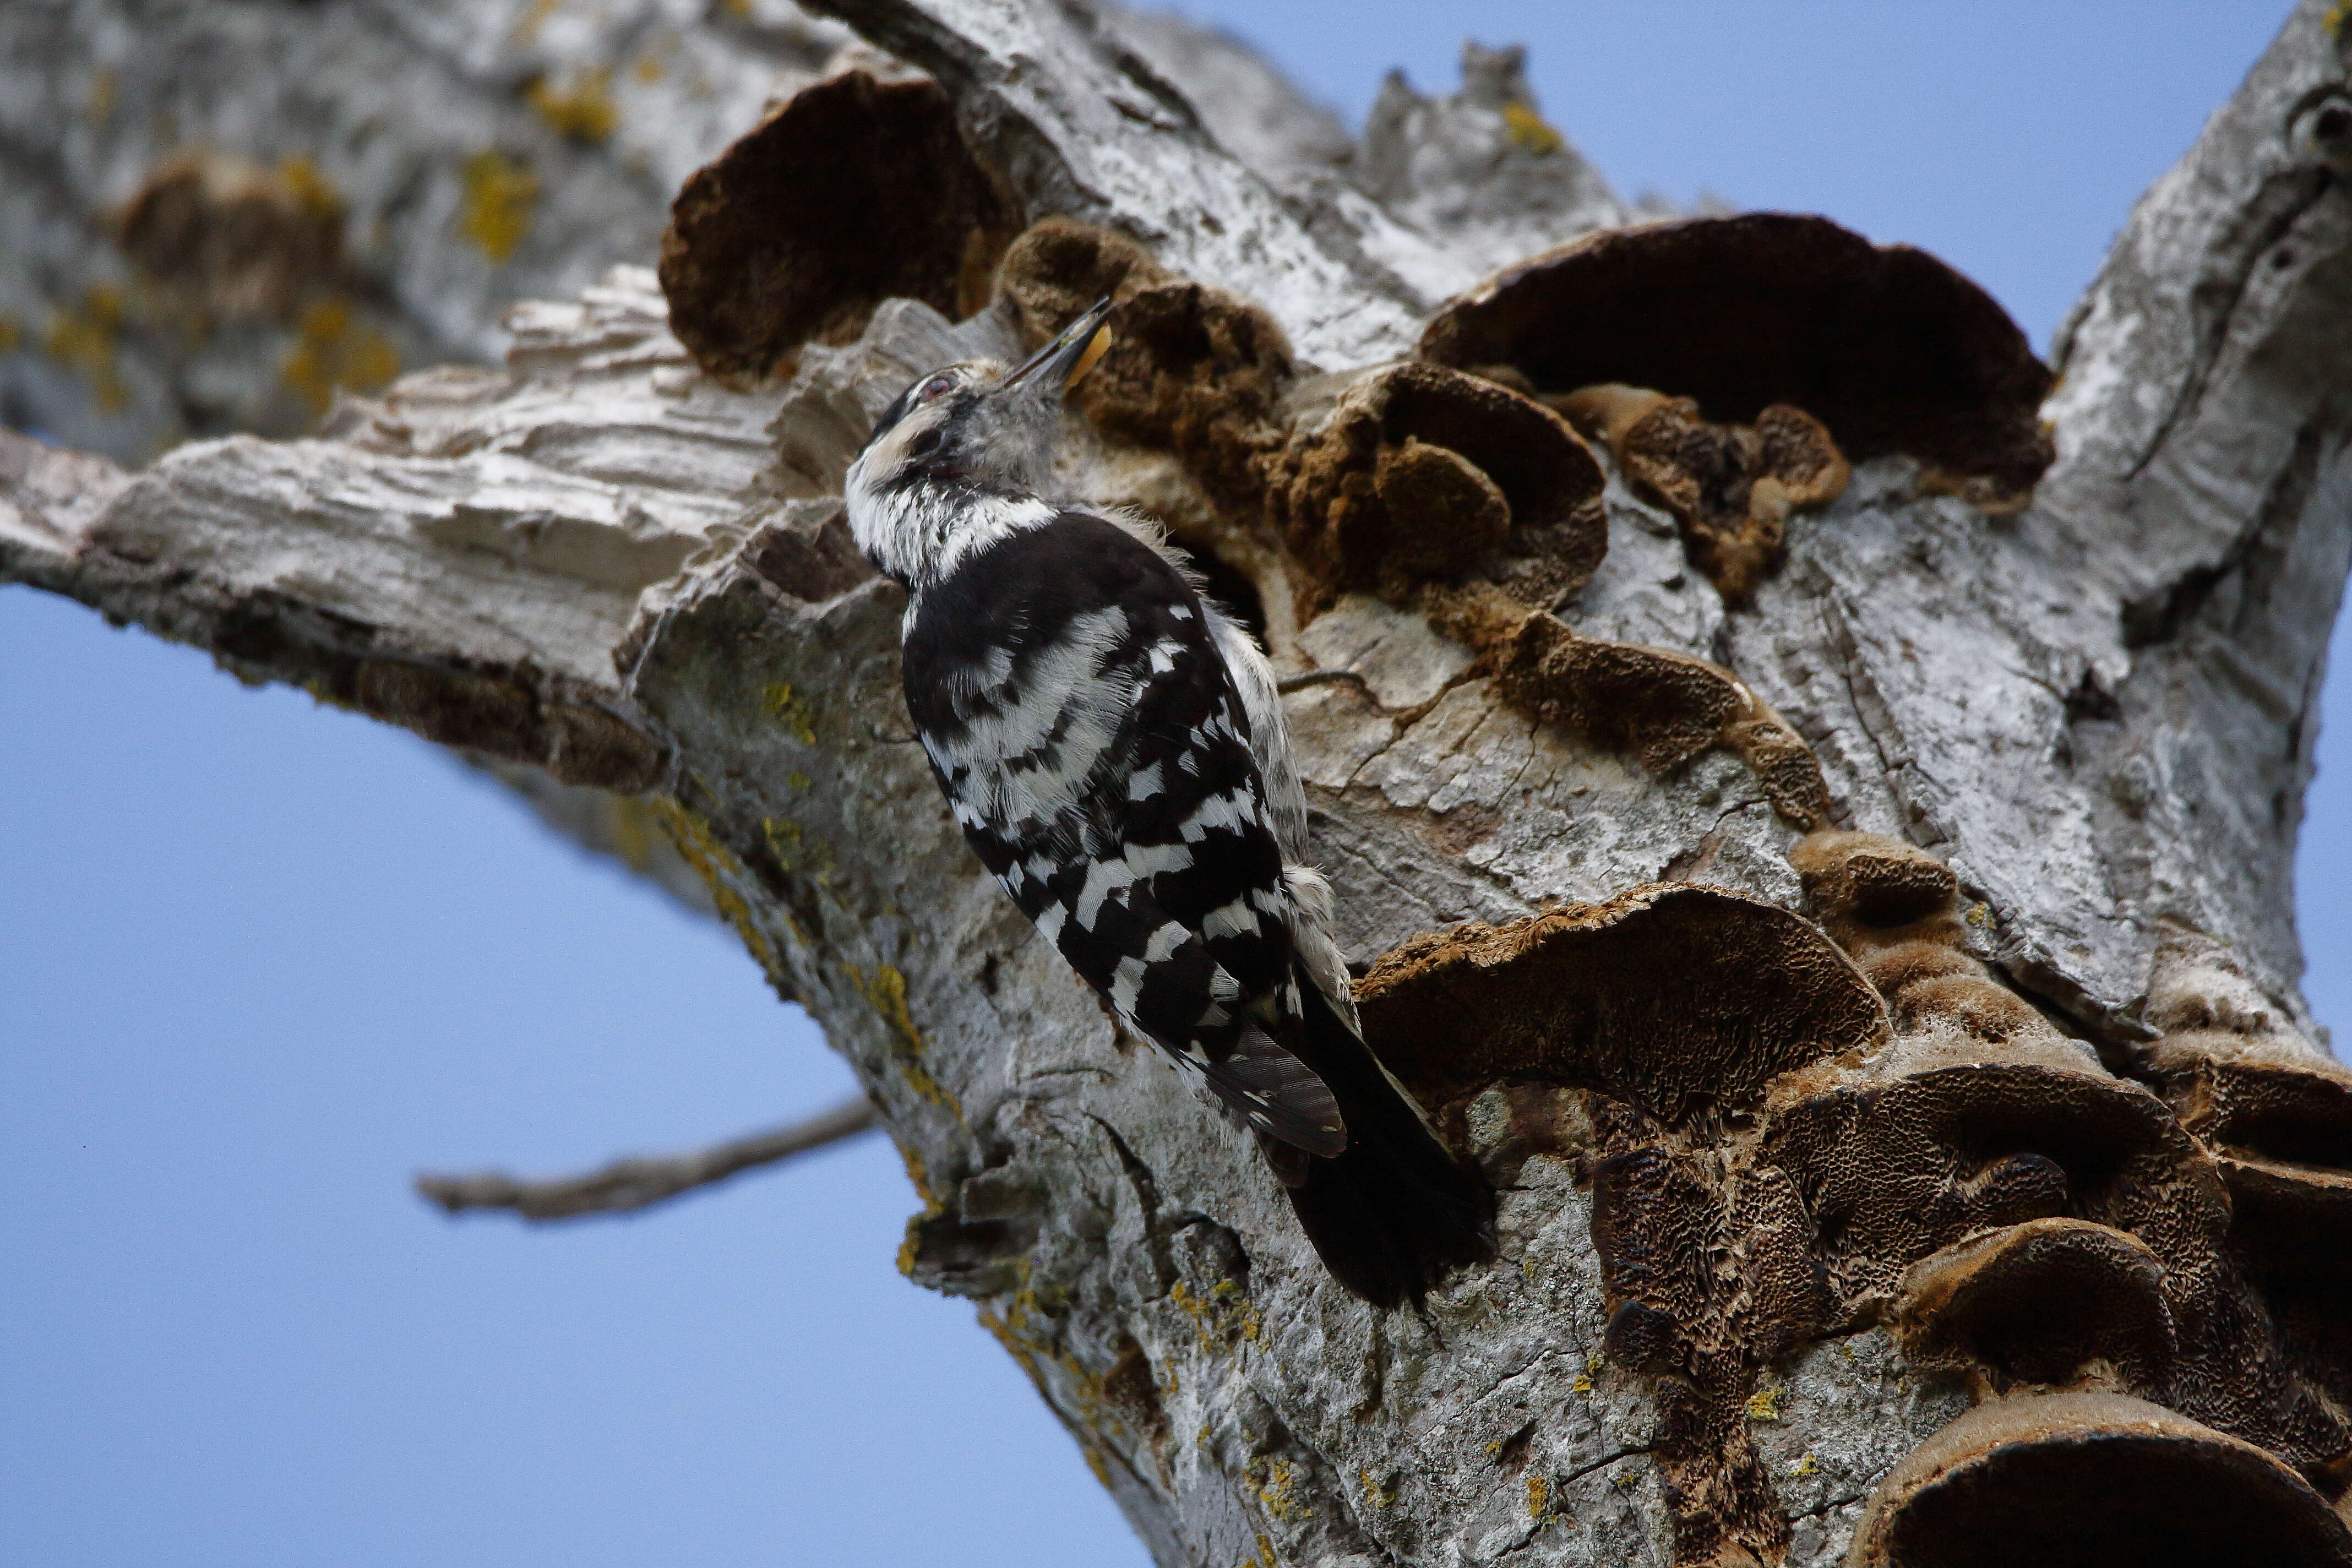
261	960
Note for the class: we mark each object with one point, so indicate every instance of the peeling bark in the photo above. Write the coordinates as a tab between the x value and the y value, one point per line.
1881	1004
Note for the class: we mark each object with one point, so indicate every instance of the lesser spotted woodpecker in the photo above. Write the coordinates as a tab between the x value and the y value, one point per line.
1113	746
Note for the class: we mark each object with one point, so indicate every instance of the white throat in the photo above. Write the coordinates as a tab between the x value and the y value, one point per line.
919	533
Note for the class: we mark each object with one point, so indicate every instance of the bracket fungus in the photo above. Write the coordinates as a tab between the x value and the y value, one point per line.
1895	908
1673	1009
1730	487
1895	1172
1192	371
2282	1131
854	192
1951	1181
1422	474
2083	1480
1675	996
1889	348
2041	1302
223	237
1663	706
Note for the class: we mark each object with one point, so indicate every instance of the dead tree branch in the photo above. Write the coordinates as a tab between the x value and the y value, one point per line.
624	1186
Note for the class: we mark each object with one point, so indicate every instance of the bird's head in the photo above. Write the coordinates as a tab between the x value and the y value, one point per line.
963	449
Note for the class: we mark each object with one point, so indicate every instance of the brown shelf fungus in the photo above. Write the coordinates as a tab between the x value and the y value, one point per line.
854	191
222	238
1681	999
1663	707
1889	348
1420	474
2042	1301
1730	487
1192	371
2085	1481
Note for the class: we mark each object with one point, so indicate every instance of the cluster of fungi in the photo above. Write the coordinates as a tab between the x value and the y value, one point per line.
1796	1125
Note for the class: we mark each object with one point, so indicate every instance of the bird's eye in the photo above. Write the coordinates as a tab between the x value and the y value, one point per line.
938	385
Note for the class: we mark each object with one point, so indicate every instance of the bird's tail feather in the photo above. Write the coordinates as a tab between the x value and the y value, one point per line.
1395	1210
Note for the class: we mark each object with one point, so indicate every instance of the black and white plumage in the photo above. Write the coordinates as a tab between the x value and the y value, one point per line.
1113	747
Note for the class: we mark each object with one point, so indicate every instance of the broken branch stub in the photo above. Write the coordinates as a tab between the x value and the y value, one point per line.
1891	349
854	191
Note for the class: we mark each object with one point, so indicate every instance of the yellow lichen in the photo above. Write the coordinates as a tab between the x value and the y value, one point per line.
920	1175
886	993
715	865
1094	1463
1807	1465
929	1088
82	338
1538	1496
797	779
10	334
1764	1404
104	88
795	712
1980	915
1379	1494
648	69
334	347
1014	1345
581	108
1273	1479
2338	18
499	197
885	990
793	852
1222	1318
1528	129
313	193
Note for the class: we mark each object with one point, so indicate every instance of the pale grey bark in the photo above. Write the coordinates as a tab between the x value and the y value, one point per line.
477	155
601	565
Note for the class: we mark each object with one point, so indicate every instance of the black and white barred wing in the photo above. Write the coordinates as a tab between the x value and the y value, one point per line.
1071	694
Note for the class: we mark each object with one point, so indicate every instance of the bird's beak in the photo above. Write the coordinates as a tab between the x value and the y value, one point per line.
1057	367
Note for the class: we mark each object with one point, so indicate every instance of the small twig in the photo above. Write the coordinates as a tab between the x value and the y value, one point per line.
626	1186
1290	683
